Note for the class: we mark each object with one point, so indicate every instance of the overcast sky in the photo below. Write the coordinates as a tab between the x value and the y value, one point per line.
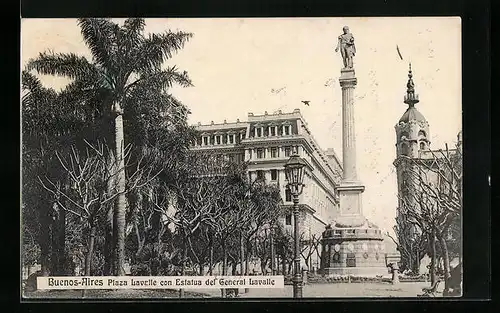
235	65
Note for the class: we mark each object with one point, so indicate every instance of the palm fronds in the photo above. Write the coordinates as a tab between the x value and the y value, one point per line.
68	65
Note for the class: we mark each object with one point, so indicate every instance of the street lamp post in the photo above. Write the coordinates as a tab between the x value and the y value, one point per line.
294	171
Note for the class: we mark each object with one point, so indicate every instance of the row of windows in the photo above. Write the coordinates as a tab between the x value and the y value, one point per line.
405	135
405	148
272	131
274	175
274	152
206	140
220	139
234	157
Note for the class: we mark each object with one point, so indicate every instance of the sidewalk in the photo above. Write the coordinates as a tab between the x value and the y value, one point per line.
356	290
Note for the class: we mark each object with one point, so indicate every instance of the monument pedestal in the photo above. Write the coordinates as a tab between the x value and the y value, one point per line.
352	249
352	245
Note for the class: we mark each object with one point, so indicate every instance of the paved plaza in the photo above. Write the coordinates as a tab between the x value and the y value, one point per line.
339	290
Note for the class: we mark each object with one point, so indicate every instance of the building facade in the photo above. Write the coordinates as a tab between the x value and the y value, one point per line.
418	165
266	142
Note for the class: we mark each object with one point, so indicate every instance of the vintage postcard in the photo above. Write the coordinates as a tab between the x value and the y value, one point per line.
241	158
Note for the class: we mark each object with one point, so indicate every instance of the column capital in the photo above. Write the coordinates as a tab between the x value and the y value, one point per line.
347	78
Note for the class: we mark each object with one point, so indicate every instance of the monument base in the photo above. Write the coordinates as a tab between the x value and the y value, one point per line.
353	246
355	271
347	74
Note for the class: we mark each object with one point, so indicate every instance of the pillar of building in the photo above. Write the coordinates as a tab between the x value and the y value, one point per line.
267	175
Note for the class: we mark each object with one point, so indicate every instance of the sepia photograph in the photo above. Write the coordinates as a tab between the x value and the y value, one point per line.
241	158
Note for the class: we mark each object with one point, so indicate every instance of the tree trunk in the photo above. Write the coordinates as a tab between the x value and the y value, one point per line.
90	253
109	239
119	222
58	240
61	237
109	243
446	262
45	242
242	258
136	206
56	249
247	257
140	241
234	268
183	265
211	261
224	267
202	271
273	257
283	264
242	255
90	250
432	269
415	263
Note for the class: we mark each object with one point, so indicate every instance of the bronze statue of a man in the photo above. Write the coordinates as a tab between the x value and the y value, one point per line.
347	47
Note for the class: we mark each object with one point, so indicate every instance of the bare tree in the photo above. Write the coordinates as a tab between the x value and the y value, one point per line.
262	206
310	246
410	242
226	223
432	199
198	197
88	174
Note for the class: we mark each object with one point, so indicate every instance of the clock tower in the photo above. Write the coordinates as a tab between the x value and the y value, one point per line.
412	142
412	138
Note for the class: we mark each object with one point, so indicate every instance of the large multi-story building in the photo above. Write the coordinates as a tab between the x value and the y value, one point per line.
266	142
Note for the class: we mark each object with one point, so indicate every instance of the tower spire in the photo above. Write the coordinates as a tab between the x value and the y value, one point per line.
411	98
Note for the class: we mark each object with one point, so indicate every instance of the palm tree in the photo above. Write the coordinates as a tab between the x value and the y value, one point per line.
36	124
124	60
47	126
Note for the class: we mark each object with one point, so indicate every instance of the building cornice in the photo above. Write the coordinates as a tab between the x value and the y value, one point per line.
275	117
222	126
264	141
220	148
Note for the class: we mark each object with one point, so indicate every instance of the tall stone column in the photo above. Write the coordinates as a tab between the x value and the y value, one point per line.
348	82
350	188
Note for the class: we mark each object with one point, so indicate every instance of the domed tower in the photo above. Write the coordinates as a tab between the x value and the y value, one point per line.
412	141
412	130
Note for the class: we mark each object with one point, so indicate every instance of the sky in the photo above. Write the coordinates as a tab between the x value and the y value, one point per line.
238	65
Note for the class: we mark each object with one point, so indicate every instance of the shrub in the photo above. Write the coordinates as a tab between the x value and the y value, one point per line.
140	270
31	282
